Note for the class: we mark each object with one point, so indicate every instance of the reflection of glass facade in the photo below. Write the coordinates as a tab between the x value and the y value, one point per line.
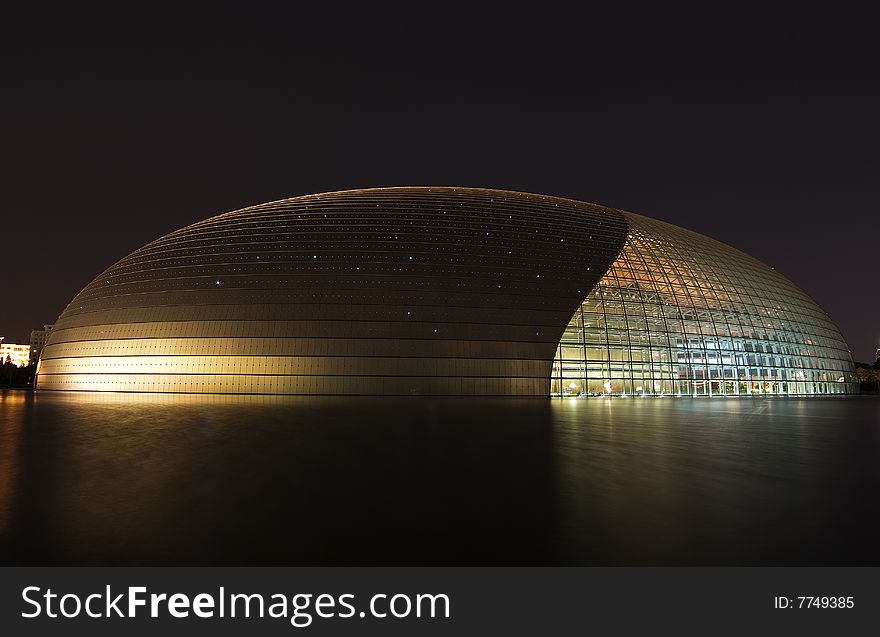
679	313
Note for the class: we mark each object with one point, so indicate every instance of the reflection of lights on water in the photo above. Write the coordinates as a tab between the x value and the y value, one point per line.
10	442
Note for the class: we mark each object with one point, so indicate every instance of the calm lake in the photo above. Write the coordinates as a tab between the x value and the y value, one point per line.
163	479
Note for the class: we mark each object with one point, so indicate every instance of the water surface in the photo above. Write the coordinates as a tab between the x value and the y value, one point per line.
163	479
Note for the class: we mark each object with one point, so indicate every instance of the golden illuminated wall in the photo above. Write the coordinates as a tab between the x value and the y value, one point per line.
380	291
679	313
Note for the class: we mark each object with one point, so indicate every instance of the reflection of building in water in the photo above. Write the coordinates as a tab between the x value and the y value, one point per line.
456	291
12	404
38	340
17	353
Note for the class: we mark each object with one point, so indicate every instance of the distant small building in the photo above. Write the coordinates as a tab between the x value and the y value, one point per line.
878	354
38	340
18	353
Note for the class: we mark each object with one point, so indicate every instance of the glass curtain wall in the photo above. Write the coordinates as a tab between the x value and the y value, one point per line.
681	314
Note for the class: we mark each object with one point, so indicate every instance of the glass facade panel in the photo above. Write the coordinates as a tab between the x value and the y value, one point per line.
679	313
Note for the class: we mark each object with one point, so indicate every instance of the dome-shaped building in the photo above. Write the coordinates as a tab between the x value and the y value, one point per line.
442	291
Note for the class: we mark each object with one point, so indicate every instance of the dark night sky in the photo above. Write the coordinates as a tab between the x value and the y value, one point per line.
760	129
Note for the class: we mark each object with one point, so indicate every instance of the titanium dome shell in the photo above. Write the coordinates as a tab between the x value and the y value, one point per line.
434	291
381	291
